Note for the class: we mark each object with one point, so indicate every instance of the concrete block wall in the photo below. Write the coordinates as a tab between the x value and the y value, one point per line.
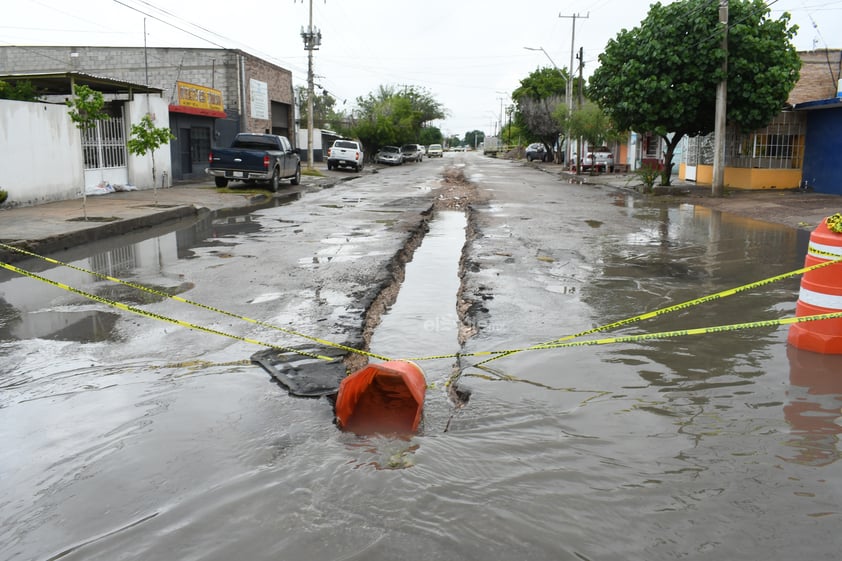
213	68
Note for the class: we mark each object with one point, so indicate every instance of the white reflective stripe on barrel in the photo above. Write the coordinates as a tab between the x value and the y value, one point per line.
819	299
814	249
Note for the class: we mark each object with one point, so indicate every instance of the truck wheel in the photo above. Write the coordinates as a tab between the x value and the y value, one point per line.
220	181
276	180
296	179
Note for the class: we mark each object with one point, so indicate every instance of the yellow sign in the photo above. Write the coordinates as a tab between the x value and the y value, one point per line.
191	95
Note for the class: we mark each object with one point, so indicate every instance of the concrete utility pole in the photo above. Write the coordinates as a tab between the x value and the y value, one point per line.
718	185
569	89
312	39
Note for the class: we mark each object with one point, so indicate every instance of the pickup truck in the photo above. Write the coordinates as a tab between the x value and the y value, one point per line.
345	153
255	157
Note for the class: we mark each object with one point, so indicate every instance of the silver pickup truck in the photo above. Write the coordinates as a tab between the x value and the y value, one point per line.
347	153
255	157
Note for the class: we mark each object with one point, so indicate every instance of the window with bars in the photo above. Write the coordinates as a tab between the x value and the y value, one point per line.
104	144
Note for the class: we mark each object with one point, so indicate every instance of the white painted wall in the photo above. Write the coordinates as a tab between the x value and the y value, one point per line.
140	167
40	153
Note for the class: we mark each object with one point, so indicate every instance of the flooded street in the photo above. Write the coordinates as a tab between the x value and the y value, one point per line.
128	438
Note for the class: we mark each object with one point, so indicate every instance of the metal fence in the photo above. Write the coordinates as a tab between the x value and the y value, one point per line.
104	144
780	145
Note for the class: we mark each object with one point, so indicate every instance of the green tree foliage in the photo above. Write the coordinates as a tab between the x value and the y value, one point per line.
474	138
537	99
392	117
590	123
145	138
430	135
87	106
661	76
325	114
454	141
19	91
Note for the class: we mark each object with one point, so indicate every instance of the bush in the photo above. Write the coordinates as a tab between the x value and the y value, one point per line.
3	196
647	175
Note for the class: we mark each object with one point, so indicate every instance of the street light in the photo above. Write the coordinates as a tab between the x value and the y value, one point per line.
545	52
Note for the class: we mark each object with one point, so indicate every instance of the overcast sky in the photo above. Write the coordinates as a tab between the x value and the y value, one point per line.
469	54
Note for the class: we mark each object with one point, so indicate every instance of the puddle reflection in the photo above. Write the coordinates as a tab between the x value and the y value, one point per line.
814	409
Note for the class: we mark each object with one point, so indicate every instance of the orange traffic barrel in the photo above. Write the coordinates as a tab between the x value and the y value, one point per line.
821	293
384	398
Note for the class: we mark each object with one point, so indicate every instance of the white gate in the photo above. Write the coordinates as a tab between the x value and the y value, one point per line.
104	151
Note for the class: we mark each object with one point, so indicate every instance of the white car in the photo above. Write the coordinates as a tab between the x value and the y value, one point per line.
599	159
435	151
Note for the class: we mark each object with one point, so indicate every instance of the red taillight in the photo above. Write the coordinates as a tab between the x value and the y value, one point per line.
358	156
266	162
210	157
328	152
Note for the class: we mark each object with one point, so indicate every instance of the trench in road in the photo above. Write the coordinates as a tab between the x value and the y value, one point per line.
423	319
423	312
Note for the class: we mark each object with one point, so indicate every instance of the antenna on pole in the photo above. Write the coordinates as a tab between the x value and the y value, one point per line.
312	40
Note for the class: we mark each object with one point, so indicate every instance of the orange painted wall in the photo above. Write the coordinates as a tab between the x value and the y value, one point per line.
747	178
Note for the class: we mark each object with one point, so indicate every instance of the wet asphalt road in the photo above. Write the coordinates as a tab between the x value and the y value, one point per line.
159	442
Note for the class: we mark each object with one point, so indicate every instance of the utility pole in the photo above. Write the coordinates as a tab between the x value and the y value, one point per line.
312	39
569	89
718	185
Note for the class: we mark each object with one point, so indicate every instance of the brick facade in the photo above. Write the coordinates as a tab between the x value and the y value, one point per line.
819	75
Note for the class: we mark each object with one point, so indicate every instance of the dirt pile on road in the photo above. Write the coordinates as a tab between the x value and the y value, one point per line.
456	191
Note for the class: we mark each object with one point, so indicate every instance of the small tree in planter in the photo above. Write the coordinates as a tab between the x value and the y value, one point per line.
86	108
145	138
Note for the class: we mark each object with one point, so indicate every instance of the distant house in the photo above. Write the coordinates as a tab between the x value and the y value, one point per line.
794	150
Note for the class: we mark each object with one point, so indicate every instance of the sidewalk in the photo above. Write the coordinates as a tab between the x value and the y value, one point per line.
789	207
54	226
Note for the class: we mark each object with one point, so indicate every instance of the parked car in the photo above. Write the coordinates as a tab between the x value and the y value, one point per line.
435	151
390	155
345	153
412	152
255	157
536	151
600	158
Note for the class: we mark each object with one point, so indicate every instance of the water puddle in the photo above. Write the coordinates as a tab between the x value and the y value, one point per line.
423	320
39	310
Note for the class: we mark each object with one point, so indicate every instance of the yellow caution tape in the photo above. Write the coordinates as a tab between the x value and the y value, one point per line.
494	355
834	223
322	342
681	306
145	313
649	336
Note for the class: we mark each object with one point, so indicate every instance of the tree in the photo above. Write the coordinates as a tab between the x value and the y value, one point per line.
391	117
145	138
21	91
87	106
589	123
324	112
474	138
430	135
539	96
661	76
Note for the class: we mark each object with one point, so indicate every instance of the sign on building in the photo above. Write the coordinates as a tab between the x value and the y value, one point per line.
259	97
